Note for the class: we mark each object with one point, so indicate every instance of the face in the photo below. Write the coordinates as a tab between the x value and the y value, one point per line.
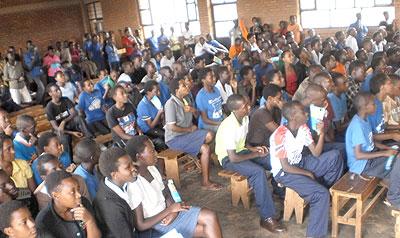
137	62
8	151
113	76
209	80
328	84
7	167
318	47
168	53
126	170
300	116
359	74
244	108
120	96
150	69
88	86
362	56
331	63
4	120
8	191
382	65
188	81
22	225
149	155
55	93
387	87
342	84
370	107
183	89
202	40
277	100
279	80
288	57
250	75
67	193
319	100
154	92
225	76
396	88
54	147
60	78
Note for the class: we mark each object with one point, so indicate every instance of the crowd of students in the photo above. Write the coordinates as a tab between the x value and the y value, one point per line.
253	105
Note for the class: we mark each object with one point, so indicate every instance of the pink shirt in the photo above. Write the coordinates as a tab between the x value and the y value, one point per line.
52	63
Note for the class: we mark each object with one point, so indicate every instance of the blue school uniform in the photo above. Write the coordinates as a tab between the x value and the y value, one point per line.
377	120
359	132
339	105
22	151
261	71
64	159
211	103
90	179
100	86
145	110
112	56
164	92
91	104
365	86
97	55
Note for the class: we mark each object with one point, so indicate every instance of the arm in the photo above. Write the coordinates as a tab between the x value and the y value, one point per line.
316	150
360	155
31	184
387	136
156	121
175	128
121	133
287	168
207	120
236	158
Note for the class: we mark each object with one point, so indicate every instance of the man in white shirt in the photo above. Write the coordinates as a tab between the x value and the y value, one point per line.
202	48
168	58
351	40
128	69
223	84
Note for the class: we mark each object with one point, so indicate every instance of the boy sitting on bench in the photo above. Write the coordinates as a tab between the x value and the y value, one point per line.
366	156
309	175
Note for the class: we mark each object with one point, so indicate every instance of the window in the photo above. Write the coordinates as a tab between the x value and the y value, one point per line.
157	13
224	12
95	15
341	13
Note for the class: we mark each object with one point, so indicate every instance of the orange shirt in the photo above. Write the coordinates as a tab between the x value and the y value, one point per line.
296	29
340	68
235	51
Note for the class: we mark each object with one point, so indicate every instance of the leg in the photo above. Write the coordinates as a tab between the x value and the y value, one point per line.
26	96
205	164
316	195
208	224
40	89
393	194
15	96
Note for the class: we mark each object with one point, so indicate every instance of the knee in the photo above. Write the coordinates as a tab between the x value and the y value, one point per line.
322	195
208	216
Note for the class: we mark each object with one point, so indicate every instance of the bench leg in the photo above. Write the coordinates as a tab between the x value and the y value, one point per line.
240	190
397	227
359	215
335	211
172	171
299	210
288	205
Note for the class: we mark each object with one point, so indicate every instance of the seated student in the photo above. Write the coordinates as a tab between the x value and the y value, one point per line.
381	86
274	77
91	104
25	140
247	86
151	115
69	214
67	88
378	65
86	156
311	175
338	100
313	70
16	221
121	117
249	161
209	102
391	104
365	155
356	77
9	191
226	84
112	206
127	70
5	124
47	164
181	134
286	66
63	117
168	58
19	170
152	73
50	144
167	75
329	62
341	58
106	83
154	207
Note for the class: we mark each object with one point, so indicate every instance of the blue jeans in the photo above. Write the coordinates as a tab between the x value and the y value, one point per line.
254	170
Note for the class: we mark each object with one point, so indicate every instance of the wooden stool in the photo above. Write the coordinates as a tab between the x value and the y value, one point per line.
239	188
293	203
357	189
396	214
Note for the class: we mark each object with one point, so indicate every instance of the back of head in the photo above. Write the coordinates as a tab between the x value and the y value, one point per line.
24	122
44	140
6	210
174	85
377	81
85	150
108	162
320	77
202	73
355	65
271	74
245	70
314	90
42	160
136	145
325	59
54	180
234	101
149	86
361	100
289	108
336	76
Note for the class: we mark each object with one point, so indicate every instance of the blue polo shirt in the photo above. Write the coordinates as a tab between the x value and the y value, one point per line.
261	71
365	86
22	151
91	104
377	120
90	180
339	105
359	132
153	43
145	111
32	60
112	56
211	103
164	92
64	159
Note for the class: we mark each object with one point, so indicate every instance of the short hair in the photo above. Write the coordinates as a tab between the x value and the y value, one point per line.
50	85
361	100
233	101
174	85
202	73
314	42
149	85
271	90
108	161
116	88
245	70
377	81
222	69
125	65
44	140
376	61
42	160
58	73
336	76
83	81
325	59
3	138
24	121
85	150
318	78
312	89
270	74
6	210
136	145
394	77
392	51
54	180
338	33
288	108
355	65
376	34
149	63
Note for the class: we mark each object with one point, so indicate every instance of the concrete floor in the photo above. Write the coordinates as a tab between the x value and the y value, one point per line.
238	222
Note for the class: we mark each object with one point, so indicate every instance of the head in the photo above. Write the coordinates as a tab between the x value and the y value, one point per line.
378	64
150	68
224	74
325	80
87	151
367	45
63	189
381	83
11	58
4	120
341	56
26	124
87	85
48	142
275	77
295	114
287	57
340	81
315	94
293	19
328	61
168	53
151	89
377	37
119	94
251	38
361	55
316	45
47	164
141	150
8	191
357	70
396	85
137	61
273	95
393	55
206	75
54	92
239	105
16	220
352	31
117	165
340	36
50	50
60	77
326	47
7	148
238	41
358	16
127	67
188	52
364	103
314	69
179	88
386	15
247	73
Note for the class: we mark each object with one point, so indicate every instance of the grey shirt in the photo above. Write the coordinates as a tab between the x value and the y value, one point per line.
12	74
175	114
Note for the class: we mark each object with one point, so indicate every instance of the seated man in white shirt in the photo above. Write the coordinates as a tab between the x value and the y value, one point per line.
202	48
351	40
128	69
225	84
168	58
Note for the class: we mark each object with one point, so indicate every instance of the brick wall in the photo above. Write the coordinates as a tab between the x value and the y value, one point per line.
44	25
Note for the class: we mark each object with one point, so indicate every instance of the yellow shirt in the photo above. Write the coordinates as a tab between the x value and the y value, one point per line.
21	173
231	135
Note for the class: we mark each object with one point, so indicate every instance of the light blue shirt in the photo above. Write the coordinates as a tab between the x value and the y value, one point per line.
211	103
339	106
377	120
90	180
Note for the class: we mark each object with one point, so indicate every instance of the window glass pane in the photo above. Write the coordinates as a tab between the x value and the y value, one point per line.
383	2
225	12
344	4
180	12
190	1
192	12
145	17
307	4
372	16
98	10
147	30
144	4
90	9
343	17
364	3
222	28
325	4
194	27
315	19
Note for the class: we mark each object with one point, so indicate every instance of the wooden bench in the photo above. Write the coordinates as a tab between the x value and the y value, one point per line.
240	189
396	214
173	159
355	190
293	203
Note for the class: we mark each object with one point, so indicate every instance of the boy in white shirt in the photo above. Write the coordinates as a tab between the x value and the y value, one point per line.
351	40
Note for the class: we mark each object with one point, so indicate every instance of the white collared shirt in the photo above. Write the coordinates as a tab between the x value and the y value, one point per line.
122	193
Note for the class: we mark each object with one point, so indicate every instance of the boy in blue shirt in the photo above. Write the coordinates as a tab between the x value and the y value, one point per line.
338	100
25	140
367	157
209	102
91	103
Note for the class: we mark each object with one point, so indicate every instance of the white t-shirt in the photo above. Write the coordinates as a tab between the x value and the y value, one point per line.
352	43
167	62
124	78
150	195
68	91
285	145
224	93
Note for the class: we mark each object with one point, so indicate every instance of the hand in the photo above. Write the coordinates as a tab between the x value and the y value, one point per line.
388	153
253	82
233	83
8	130
71	168
187	108
320	127
77	134
169	219
161	111
33	139
33	157
61	126
396	137
178	207
193	128
261	151
81	214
